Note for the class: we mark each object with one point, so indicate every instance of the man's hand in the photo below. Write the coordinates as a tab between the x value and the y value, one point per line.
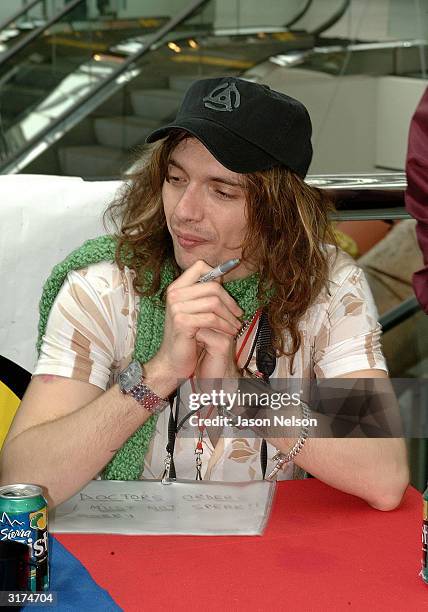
218	359
199	317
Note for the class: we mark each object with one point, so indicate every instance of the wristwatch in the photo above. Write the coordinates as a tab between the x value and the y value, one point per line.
131	382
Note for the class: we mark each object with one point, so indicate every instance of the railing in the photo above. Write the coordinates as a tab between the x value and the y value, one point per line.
25	42
19	13
296	58
299	15
333	19
365	196
400	313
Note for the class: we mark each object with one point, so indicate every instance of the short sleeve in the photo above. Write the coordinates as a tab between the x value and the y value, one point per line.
349	337
88	326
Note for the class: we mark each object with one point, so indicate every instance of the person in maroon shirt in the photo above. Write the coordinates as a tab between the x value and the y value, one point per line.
416	196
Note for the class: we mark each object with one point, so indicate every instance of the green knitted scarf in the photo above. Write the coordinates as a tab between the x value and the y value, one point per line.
128	462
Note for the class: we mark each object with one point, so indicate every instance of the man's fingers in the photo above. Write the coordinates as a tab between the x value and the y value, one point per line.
214	290
188	324
192	274
209	304
216	343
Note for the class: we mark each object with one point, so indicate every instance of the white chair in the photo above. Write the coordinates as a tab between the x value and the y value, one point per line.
43	218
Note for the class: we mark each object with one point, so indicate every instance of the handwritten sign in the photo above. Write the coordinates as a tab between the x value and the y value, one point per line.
182	507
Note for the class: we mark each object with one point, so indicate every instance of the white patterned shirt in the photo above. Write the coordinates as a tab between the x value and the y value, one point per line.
91	332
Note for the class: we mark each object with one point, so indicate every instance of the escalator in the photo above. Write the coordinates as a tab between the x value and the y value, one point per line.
81	96
41	72
18	24
66	22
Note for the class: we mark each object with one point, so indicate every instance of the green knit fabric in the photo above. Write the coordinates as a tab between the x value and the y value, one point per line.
128	462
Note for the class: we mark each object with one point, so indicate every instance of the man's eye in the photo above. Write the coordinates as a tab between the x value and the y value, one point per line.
223	194
173	179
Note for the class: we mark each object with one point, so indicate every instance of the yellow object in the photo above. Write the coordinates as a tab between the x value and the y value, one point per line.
79	44
38	519
212	61
9	403
346	243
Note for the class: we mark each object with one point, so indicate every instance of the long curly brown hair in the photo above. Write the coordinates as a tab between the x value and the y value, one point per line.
288	227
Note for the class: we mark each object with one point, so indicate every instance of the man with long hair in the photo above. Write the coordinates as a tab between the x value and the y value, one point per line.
125	324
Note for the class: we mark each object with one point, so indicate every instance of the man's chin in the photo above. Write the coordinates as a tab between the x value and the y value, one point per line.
185	260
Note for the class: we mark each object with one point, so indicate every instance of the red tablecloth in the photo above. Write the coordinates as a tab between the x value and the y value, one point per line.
322	550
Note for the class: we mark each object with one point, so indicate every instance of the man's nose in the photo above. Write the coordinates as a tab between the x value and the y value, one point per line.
190	205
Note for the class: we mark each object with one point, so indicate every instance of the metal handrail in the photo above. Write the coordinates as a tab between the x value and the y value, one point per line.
18	14
24	42
357	197
332	20
364	196
299	16
400	313
297	57
373	181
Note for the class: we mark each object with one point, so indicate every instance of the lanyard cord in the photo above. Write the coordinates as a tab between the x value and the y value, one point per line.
265	360
172	430
253	346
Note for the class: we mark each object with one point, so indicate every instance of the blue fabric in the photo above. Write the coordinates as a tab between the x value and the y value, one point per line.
75	589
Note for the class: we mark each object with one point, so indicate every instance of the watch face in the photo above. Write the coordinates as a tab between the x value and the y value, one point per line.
130	377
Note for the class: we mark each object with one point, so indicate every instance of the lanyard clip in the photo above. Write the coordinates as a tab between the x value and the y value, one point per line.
198	452
165	476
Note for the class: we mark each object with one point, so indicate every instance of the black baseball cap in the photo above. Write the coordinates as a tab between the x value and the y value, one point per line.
245	126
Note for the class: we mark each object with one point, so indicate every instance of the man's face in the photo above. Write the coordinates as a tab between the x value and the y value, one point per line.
204	201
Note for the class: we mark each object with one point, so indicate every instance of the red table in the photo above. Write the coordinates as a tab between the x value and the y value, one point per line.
322	550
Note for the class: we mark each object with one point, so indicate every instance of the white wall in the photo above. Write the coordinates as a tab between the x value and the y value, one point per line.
343	114
236	13
360	122
397	99
365	19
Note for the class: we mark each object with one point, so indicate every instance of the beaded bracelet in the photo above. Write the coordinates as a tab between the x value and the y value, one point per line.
282	458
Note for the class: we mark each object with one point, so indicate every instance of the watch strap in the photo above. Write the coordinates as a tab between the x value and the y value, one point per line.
148	398
140	391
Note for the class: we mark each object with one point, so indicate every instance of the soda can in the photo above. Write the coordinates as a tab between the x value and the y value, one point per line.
24	519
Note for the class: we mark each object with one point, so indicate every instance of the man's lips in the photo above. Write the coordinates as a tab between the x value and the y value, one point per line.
187	240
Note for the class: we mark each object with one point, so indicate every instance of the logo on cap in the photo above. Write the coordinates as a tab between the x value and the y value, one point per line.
225	97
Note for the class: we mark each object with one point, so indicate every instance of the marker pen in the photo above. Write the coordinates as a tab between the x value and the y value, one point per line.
220	270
